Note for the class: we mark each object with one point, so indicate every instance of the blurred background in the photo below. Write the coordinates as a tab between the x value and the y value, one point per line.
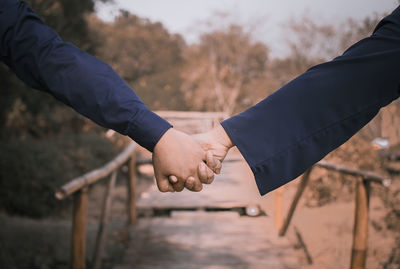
207	56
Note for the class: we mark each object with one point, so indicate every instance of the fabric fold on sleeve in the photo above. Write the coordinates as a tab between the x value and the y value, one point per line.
42	60
302	122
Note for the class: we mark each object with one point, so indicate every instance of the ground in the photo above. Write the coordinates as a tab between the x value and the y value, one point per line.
201	238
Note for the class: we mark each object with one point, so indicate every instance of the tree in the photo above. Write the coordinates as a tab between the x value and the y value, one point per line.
219	70
145	54
27	112
313	43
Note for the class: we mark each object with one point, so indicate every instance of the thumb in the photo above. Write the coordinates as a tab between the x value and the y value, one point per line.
163	184
213	163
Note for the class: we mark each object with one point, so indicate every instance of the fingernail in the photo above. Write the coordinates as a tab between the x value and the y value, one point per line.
173	179
190	180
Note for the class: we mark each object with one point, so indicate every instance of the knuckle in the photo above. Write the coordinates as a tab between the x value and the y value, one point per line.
179	188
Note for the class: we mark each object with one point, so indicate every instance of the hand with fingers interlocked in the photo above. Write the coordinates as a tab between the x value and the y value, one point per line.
182	161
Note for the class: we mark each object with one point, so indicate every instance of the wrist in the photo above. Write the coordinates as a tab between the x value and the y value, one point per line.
147	128
219	135
164	139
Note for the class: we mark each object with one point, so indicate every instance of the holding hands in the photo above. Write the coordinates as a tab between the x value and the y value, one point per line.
182	161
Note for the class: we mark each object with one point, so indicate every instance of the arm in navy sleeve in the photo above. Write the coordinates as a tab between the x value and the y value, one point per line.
42	60
299	124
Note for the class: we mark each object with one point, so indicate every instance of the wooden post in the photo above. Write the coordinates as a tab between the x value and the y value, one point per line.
101	234
300	190
132	191
360	232
303	245
78	249
279	207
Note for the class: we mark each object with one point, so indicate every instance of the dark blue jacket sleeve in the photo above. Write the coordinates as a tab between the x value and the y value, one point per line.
42	60
299	124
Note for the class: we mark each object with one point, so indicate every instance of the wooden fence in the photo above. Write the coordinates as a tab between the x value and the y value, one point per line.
362	191
79	186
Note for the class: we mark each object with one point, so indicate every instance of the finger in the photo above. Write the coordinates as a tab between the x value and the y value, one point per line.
171	188
213	163
218	166
193	184
202	172
176	185
210	176
210	160
190	182
179	185
173	179
163	184
206	175
197	186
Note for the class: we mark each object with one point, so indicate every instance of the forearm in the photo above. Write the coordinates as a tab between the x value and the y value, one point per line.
94	90
42	60
315	113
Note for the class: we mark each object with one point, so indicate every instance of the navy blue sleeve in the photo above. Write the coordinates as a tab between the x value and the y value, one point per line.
42	60
299	124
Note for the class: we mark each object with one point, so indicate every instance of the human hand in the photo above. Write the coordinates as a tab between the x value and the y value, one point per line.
216	143
178	162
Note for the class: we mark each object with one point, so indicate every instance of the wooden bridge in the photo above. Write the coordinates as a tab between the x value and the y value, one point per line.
227	225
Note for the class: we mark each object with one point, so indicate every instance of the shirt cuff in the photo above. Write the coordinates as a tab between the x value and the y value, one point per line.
234	133
147	129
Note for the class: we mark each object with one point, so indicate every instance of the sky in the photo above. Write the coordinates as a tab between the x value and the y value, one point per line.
266	18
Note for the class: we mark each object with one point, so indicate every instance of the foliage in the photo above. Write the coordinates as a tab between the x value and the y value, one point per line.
67	17
226	70
25	112
311	43
145	54
31	170
9	83
219	69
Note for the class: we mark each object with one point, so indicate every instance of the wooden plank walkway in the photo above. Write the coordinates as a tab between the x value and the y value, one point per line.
211	240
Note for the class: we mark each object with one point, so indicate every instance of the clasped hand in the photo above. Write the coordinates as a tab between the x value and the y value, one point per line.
182	161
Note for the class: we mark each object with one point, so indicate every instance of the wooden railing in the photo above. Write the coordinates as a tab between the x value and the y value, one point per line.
362	191
79	186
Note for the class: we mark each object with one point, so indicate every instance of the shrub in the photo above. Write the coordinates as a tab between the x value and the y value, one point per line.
31	170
